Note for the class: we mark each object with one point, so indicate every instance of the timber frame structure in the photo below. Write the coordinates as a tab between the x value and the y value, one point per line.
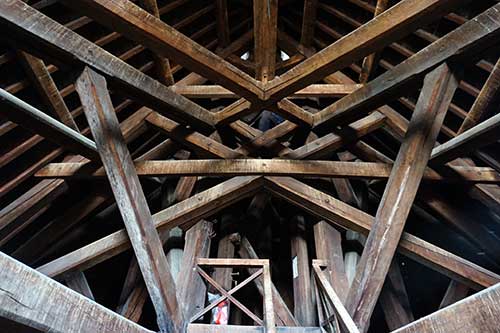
249	166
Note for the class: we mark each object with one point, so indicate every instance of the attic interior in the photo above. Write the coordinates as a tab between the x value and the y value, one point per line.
249	166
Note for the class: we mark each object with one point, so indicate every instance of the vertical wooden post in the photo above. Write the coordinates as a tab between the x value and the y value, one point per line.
223	34
304	308
265	31
130	199
269	321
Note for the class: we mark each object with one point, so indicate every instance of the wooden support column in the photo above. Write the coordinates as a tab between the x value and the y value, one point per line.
223	33
190	287
32	299
130	199
308	23
435	97
486	102
265	16
164	72
328	242
370	62
304	307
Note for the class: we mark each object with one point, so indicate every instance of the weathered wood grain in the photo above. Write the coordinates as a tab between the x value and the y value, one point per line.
30	298
130	199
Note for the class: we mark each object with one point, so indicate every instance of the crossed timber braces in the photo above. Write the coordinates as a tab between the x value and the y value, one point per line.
172	112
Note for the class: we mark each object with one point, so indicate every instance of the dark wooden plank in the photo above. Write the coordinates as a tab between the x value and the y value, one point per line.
129	19
130	198
434	100
35	31
467	40
28	297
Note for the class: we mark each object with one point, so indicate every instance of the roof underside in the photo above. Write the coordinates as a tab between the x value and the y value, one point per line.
361	133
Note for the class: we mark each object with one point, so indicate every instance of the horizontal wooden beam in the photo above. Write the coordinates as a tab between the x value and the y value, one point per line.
339	213
398	21
35	31
467	40
32	299
40	123
269	167
137	24
183	214
314	90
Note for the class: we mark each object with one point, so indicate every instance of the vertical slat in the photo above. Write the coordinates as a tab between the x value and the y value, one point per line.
268	300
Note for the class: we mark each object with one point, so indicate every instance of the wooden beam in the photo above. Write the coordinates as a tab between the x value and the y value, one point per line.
477	313
184	213
43	82
338	213
130	20
386	28
370	62
193	140
190	287
78	282
466	41
98	108
314	90
328	243
223	34
30	298
486	102
478	136
308	23
394	299
34	30
164	74
427	119
38	122
265	24
341	313
304	306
